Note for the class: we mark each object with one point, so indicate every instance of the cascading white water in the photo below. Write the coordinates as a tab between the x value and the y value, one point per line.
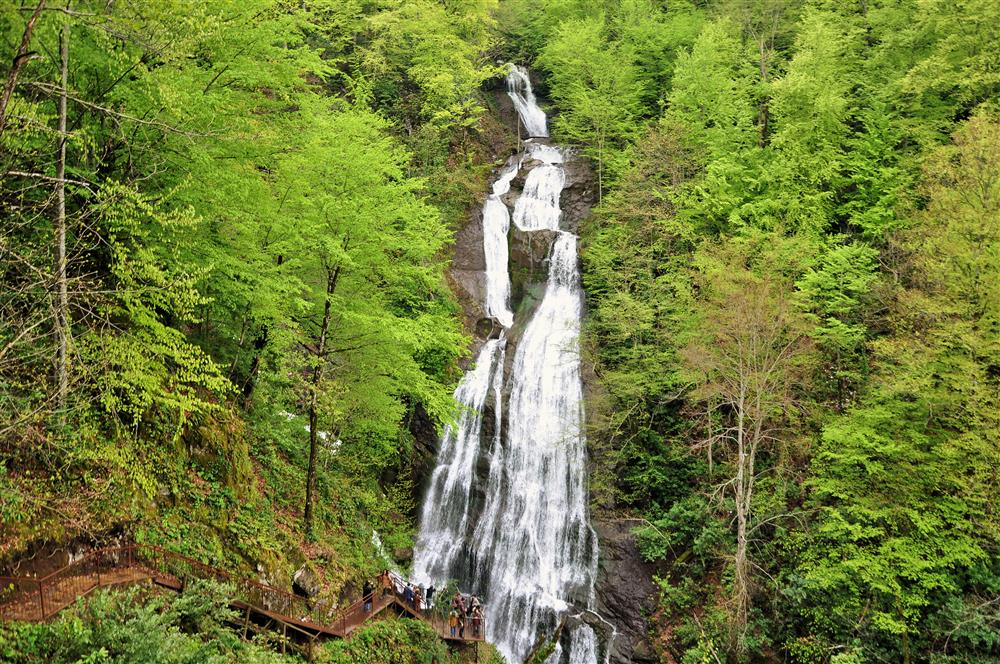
533	543
519	89
506	509
583	648
496	223
447	504
538	206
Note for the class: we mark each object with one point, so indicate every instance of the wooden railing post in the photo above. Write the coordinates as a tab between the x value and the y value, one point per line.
41	601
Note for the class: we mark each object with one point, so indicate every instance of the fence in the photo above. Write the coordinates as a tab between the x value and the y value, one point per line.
23	598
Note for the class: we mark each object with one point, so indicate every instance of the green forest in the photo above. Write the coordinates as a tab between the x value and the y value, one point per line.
227	322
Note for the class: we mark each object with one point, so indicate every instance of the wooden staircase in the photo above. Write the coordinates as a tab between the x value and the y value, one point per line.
286	616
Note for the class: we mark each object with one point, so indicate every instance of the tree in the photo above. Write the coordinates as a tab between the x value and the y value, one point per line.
22	56
652	37
711	92
766	25
748	360
596	83
712	98
810	108
835	292
62	306
367	249
426	60
209	166
907	480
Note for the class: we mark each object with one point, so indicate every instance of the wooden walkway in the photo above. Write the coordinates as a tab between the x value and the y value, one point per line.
263	607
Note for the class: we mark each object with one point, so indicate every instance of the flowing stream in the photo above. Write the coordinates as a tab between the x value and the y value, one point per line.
505	512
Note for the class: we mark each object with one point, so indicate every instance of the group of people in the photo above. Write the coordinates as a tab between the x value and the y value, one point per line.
389	583
417	597
465	613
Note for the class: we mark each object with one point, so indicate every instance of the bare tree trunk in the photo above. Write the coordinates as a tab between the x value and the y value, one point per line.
22	56
600	168
317	377
62	308
748	359
741	579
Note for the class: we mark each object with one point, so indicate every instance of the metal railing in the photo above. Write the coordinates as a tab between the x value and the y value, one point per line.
38	599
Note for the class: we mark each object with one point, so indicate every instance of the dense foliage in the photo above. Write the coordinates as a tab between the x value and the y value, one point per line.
222	250
197	626
223	233
403	641
136	625
793	279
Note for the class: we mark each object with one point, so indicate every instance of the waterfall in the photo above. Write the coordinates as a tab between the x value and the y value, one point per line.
496	223
445	517
538	206
535	548
505	512
519	89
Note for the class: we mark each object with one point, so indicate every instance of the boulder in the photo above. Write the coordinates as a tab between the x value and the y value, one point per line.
529	252
488	328
306	581
517	184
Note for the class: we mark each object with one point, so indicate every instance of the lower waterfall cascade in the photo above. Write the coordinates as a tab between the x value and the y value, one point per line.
505	512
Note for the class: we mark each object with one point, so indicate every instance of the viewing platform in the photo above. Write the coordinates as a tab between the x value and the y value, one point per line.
263	607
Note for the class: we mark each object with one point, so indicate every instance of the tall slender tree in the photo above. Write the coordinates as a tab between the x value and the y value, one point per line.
748	363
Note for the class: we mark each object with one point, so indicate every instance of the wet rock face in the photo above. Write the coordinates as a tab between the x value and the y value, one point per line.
580	193
467	274
505	108
425	436
529	254
469	287
626	593
468	250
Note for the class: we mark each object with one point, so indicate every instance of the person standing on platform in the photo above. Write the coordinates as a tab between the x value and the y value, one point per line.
477	621
385	581
366	595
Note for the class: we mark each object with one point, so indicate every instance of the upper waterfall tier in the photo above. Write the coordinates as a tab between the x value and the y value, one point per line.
519	89
538	206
